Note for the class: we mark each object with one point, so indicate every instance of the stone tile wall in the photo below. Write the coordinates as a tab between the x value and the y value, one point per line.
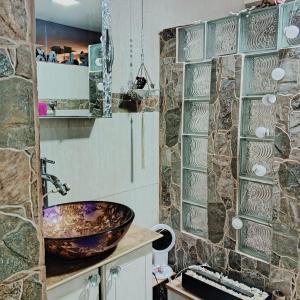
219	250
21	242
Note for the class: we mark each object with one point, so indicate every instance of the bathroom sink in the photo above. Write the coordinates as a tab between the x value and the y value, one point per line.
85	229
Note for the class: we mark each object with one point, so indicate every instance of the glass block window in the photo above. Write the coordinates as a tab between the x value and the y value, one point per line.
256	114
194	187
256	239
256	200
259	30
195	219
191	43
290	16
196	117
195	152
222	37
197	81
256	153
258	74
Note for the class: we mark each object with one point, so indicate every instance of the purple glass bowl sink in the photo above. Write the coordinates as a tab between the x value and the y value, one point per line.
85	229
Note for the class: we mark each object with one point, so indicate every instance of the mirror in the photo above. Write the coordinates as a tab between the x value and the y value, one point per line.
69	55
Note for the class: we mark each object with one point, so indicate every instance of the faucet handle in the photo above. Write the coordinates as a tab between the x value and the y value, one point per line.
67	187
47	161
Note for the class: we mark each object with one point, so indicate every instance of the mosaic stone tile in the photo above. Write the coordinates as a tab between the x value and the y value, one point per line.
14	20
6	67
16	113
32	288
12	193
24	62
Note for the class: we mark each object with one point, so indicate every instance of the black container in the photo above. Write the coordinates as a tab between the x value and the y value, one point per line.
206	291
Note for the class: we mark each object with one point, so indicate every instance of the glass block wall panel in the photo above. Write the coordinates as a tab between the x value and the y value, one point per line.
256	239
256	200
194	219
194	152
222	37
256	114
197	80
196	116
256	153
191	43
290	16
259	30
258	74
194	187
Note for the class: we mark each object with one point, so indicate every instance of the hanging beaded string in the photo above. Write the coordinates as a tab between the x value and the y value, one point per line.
130	81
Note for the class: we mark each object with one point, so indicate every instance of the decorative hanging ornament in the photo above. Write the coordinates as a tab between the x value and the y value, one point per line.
291	32
278	74
237	223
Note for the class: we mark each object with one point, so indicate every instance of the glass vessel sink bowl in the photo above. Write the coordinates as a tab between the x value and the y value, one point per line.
85	229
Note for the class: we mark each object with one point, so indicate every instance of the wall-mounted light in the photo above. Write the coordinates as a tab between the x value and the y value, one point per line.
66	2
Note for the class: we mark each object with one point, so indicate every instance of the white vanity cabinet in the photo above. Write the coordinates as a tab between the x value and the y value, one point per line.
129	277
85	287
124	275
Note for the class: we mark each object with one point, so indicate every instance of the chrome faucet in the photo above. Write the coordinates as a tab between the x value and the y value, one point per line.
60	187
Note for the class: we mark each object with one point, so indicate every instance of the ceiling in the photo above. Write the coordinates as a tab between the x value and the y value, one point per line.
85	15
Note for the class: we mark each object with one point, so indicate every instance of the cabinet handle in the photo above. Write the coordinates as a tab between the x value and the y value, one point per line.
115	271
93	280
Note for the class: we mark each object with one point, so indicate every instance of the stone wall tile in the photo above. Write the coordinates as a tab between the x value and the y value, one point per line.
23	63
14	181
14	22
6	66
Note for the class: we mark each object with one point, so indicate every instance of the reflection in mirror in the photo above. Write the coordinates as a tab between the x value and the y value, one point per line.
69	58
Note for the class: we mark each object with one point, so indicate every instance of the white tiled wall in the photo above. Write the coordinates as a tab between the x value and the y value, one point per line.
93	157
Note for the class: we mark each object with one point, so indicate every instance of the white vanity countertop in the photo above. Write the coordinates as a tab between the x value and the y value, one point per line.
137	237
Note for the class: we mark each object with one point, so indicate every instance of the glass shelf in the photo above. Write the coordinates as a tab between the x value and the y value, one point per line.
223	37
256	114
194	219
194	187
197	80
196	117
256	240
191	43
258	74
259	30
256	200
195	152
290	16
253	153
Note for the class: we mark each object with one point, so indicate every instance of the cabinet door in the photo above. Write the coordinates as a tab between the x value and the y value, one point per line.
129	278
85	287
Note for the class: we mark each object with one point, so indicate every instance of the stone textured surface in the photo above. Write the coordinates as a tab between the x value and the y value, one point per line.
22	273
219	250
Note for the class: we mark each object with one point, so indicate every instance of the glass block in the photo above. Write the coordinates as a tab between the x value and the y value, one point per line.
259	30
194	219
256	114
256	153
194	187
222	37
290	16
95	58
256	240
196	117
197	81
256	200
195	152
191	43
258	76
